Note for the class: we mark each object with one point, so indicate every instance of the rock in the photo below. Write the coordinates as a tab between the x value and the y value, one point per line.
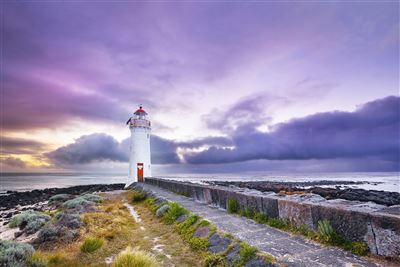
201	232
217	243
233	255
181	218
162	210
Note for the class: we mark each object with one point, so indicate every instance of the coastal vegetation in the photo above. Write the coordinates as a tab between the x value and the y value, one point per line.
217	249
325	232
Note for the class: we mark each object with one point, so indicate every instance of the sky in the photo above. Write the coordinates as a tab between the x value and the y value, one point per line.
228	86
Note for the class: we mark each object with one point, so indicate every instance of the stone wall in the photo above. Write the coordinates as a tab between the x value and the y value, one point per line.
376	225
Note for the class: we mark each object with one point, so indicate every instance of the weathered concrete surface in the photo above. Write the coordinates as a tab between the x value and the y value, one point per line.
292	250
376	225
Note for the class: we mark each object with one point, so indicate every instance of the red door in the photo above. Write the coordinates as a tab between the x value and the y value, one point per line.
140	172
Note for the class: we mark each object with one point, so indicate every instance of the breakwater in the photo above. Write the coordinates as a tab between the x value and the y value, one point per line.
376	225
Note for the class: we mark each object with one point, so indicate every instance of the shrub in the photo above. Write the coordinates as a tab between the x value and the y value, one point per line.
92	197
47	233
247	212
69	220
14	254
175	210
359	248
278	223
29	220
91	244
233	206
326	231
214	260
134	258
184	227
162	210
246	252
138	196
59	198
198	243
260	217
76	202
38	259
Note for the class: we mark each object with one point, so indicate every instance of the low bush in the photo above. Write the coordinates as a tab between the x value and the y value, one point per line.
215	260
359	248
14	254
198	243
135	258
175	210
69	220
92	197
184	227
278	223
76	202
260	217
233	206
247	212
246	252
59	198
138	196
91	244
38	259
29	220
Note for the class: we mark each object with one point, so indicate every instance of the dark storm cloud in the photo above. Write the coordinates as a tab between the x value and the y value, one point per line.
370	131
89	148
103	147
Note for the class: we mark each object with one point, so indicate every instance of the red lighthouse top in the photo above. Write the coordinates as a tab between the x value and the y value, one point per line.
140	111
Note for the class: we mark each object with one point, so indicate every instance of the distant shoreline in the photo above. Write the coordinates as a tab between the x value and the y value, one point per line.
15	198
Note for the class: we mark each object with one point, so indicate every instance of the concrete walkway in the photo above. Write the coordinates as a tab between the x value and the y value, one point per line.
291	250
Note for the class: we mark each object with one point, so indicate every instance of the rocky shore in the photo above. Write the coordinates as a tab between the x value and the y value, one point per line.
378	197
14	198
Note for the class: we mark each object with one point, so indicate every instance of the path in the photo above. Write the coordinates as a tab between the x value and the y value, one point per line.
292	250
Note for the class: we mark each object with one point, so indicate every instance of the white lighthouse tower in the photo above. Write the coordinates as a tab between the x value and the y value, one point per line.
139	159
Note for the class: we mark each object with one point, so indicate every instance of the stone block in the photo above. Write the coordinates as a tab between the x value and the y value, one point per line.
350	224
386	230
207	196
270	206
296	212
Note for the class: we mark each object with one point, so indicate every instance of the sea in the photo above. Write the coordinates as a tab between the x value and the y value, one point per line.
386	181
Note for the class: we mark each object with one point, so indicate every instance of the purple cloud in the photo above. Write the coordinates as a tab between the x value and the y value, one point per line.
370	131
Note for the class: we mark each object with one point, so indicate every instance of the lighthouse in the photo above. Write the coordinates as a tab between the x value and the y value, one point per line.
139	156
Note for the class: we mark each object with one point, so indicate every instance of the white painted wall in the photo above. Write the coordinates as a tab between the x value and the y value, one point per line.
139	153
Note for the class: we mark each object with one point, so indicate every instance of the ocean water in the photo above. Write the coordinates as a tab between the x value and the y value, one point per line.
387	181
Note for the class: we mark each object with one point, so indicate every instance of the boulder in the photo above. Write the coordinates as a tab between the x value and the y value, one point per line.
162	210
217	243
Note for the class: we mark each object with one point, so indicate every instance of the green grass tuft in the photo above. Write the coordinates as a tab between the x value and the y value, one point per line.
215	260
175	210
359	248
260	217
91	244
233	206
198	243
246	252
326	231
134	258
138	196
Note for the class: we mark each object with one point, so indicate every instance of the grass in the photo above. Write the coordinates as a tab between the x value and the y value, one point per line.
233	206
91	244
135	258
138	196
324	234
215	260
175	210
246	252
